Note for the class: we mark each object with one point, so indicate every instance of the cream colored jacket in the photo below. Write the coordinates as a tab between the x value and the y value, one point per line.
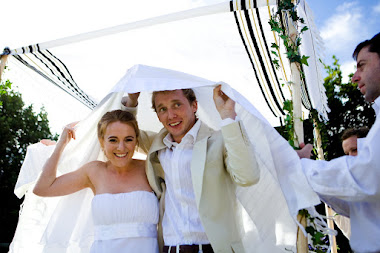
220	159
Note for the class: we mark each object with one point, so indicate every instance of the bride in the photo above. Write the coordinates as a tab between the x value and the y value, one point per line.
124	208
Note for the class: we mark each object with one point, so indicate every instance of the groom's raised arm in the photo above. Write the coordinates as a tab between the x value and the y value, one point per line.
238	159
129	103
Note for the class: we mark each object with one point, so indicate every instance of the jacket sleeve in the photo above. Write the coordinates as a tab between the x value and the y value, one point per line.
146	138
239	158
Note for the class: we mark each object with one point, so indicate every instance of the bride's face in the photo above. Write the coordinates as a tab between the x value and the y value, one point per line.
119	143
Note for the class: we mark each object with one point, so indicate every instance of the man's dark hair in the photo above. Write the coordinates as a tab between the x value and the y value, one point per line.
374	46
360	132
188	93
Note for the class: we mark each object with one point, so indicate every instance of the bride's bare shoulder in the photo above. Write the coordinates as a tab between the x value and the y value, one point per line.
94	165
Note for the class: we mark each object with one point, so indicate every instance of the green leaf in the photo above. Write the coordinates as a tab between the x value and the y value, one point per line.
277	29
304	60
274	45
276	63
274	52
310	230
317	237
305	28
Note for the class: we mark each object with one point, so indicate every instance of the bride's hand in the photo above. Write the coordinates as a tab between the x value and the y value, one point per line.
68	133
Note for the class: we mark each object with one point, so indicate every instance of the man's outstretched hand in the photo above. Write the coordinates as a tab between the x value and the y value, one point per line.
48	142
305	151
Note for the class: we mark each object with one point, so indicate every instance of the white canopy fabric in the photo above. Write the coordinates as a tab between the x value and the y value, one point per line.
268	209
229	41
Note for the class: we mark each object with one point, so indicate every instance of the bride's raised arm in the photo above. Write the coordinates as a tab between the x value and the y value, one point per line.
48	184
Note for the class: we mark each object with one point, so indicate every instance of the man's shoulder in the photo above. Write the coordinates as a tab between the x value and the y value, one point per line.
206	131
158	138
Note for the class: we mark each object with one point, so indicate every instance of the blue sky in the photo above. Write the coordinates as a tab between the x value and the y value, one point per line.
343	25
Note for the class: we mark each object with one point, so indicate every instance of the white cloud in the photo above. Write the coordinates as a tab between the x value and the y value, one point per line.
376	9
345	29
342	29
346	6
341	26
347	68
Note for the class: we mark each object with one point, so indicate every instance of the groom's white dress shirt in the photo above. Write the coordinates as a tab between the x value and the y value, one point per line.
181	223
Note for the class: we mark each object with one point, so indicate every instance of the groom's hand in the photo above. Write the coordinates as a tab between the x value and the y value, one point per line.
131	100
224	104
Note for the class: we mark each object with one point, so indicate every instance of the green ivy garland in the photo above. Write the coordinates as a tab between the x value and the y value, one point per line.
292	48
293	54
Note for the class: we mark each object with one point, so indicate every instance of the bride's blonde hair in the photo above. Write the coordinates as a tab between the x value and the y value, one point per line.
116	116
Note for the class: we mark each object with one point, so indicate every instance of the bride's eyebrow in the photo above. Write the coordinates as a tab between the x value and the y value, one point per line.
112	137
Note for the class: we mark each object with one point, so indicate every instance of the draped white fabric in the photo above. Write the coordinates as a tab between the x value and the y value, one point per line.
228	41
268	209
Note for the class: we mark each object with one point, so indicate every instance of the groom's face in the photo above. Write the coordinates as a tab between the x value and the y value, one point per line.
175	112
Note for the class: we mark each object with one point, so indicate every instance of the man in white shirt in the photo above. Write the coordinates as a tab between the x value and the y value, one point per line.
193	170
350	147
350	184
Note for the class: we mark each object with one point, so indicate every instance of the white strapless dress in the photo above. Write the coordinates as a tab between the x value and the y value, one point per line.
125	222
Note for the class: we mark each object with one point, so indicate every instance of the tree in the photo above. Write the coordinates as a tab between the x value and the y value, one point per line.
19	127
4	88
348	110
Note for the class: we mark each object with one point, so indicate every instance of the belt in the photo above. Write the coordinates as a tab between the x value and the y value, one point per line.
125	230
202	248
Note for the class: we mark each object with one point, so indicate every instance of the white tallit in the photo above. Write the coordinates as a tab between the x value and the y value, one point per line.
268	209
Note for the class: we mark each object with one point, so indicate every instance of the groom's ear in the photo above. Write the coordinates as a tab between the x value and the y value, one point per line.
194	105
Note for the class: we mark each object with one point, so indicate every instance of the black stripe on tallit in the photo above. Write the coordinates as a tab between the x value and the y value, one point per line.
249	24
19	58
250	58
71	77
305	97
67	85
72	85
61	74
268	52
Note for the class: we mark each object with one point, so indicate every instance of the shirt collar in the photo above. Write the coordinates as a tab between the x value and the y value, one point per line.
376	105
190	136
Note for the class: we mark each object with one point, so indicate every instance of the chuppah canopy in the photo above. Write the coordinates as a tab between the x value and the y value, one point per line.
266	211
229	41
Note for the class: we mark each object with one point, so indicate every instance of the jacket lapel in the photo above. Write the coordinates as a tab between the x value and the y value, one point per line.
199	160
154	171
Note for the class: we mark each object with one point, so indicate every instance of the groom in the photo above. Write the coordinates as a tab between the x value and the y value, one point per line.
193	170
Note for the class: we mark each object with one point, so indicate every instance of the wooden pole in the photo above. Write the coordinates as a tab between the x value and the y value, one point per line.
297	104
302	240
328	210
3	62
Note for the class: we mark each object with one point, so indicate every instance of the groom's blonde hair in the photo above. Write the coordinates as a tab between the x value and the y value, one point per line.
188	93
